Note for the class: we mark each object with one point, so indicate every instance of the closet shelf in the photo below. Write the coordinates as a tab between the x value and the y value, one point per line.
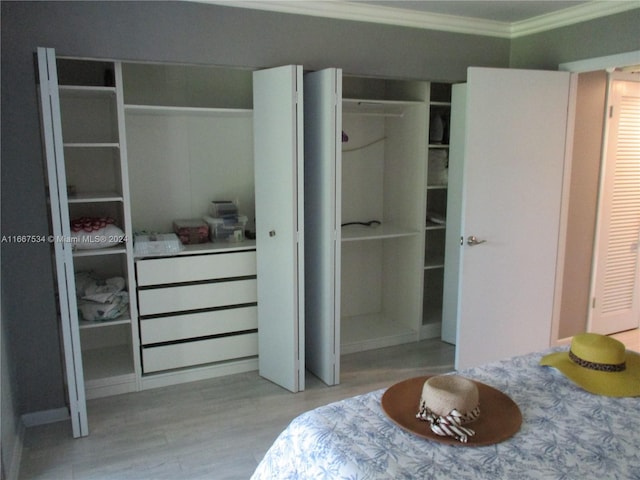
177	110
103	366
434	266
435	226
92	145
85	324
95	197
93	252
360	232
364	332
86	91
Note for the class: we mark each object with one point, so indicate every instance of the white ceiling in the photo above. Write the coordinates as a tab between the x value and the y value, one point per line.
499	18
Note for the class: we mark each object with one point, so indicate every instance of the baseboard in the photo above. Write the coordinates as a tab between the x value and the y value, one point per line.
13	472
45	416
431	330
195	374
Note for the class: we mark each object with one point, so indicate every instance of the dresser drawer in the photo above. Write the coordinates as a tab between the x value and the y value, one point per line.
199	352
180	327
196	296
195	268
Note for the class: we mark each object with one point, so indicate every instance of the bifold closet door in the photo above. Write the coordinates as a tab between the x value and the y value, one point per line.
279	196
322	161
514	189
56	178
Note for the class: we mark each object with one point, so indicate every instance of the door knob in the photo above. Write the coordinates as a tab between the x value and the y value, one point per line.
473	240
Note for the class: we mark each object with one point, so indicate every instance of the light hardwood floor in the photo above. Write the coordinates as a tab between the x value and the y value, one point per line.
215	429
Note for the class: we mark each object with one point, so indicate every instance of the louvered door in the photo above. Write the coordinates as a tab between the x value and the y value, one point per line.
616	281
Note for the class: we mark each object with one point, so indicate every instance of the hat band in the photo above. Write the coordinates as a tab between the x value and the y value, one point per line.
600	367
450	425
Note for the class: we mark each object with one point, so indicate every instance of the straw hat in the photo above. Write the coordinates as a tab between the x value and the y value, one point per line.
448	402
600	365
474	413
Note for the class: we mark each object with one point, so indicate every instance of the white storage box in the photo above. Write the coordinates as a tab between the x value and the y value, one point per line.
156	244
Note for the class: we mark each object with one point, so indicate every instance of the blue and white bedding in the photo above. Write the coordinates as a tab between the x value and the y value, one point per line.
567	433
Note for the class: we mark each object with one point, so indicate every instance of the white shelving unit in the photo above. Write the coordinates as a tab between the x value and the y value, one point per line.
383	164
96	178
436	207
82	120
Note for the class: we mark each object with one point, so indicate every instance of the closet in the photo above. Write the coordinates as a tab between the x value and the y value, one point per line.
140	146
368	197
383	204
143	145
189	133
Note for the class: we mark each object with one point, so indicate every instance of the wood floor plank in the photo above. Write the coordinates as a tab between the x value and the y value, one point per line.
218	428
221	426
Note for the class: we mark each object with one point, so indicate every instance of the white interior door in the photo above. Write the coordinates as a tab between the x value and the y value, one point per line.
56	177
322	160
279	188
616	270
514	162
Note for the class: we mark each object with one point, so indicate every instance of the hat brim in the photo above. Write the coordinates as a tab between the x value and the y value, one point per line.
610	384
500	418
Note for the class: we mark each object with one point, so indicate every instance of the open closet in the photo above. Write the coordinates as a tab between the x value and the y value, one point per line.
189	143
384	163
142	147
132	150
376	210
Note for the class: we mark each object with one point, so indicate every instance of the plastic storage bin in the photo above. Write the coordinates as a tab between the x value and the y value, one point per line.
191	231
227	229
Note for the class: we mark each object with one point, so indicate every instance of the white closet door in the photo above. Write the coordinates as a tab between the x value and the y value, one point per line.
56	177
454	214
322	160
516	129
279	191
616	277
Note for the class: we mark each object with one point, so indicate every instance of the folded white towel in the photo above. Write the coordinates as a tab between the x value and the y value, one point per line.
104	291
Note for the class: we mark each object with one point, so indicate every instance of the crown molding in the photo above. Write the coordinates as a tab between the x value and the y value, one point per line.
571	16
345	10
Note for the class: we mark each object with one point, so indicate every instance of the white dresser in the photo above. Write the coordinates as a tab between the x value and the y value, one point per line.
197	309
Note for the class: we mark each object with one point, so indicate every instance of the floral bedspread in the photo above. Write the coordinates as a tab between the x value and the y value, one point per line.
567	433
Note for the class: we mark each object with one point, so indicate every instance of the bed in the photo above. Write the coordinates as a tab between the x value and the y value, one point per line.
566	433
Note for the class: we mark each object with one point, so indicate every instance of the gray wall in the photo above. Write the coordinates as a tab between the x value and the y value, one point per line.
598	38
194	33
163	31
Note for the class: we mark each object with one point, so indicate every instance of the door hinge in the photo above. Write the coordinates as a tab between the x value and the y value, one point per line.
610	111
593	302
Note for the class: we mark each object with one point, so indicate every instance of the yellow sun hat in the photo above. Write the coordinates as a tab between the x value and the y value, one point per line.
600	365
